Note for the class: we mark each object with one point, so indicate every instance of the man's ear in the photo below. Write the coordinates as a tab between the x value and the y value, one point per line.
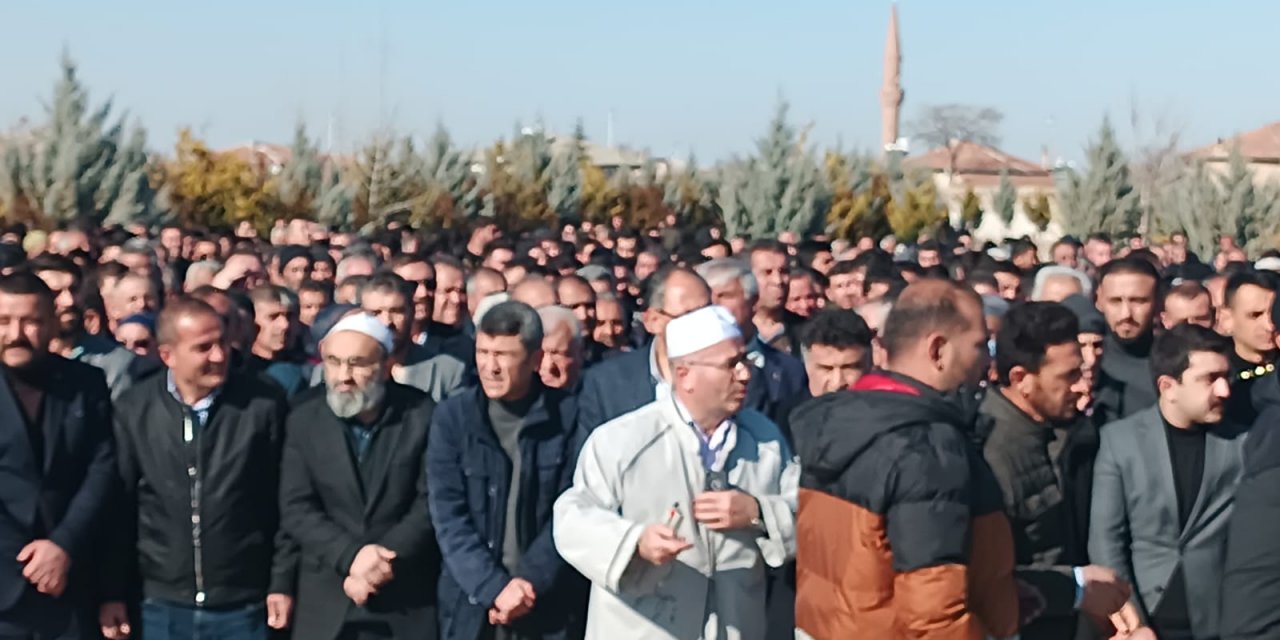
1020	380
937	344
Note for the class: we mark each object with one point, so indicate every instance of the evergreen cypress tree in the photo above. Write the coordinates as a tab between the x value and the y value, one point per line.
299	183
971	210
443	187
1189	200
780	189
1103	199
78	164
565	194
1006	199
1242	214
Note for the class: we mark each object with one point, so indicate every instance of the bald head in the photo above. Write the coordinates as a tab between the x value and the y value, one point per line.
535	292
679	284
935	333
929	306
675	292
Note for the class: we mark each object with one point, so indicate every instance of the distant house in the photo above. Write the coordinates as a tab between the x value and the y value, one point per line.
977	167
1260	148
608	159
269	159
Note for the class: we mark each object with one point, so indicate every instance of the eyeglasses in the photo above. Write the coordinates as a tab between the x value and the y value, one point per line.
356	364
740	360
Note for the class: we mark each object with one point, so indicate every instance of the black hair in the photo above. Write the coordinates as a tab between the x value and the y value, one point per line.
1121	266
768	246
318	287
513	318
808	250
834	327
54	262
1246	278
497	244
843	268
1026	334
1171	353
27	283
801	273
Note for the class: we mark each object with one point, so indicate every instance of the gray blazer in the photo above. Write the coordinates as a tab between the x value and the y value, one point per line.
1134	520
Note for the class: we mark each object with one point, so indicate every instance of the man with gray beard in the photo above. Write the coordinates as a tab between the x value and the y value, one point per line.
353	494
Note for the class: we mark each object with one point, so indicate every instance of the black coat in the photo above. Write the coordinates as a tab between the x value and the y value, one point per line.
1251	577
62	497
235	461
329	510
470	479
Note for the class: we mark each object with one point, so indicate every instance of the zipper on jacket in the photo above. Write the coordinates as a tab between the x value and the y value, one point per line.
193	479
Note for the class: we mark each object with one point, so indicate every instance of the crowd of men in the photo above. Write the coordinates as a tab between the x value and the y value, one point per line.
602	433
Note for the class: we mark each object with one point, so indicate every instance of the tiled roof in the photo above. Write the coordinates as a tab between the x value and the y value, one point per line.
974	158
1259	145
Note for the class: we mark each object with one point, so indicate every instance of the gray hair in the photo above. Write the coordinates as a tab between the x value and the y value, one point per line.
1059	271
490	301
340	272
211	267
513	318
555	316
721	271
473	280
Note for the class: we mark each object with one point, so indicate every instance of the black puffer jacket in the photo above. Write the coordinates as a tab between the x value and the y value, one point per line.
900	530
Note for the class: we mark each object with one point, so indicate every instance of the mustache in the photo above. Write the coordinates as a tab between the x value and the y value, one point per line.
20	343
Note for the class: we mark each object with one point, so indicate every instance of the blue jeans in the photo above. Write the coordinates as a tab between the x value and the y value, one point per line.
165	621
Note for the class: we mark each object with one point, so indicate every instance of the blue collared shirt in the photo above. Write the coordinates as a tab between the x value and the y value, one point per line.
199	410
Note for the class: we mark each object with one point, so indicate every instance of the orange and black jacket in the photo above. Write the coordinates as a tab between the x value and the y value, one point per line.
900	529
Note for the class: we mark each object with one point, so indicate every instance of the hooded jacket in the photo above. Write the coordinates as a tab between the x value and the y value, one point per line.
900	528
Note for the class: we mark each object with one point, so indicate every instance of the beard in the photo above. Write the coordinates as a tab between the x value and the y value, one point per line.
349	404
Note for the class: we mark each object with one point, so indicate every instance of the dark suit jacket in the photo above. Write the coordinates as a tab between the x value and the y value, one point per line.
331	513
618	386
62	497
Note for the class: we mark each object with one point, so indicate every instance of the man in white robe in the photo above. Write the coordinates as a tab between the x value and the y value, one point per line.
676	508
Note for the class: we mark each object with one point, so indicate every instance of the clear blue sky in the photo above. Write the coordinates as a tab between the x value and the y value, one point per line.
698	75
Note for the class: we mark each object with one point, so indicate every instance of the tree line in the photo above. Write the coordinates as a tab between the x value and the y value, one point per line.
83	160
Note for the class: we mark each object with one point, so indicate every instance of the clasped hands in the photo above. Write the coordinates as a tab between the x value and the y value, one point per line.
369	572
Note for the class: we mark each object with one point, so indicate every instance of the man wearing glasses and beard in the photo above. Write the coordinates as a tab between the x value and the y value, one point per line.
353	494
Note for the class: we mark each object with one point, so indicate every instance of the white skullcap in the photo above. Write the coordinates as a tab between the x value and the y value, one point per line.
368	325
1267	264
697	330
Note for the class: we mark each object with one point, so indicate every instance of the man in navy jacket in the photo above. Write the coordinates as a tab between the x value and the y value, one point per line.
498	457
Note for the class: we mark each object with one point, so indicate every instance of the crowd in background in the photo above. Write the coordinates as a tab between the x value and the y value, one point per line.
600	432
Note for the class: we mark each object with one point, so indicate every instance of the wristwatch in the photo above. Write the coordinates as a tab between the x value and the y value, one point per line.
758	521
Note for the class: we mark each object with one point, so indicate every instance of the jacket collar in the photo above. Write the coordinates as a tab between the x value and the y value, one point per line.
534	422
1006	414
